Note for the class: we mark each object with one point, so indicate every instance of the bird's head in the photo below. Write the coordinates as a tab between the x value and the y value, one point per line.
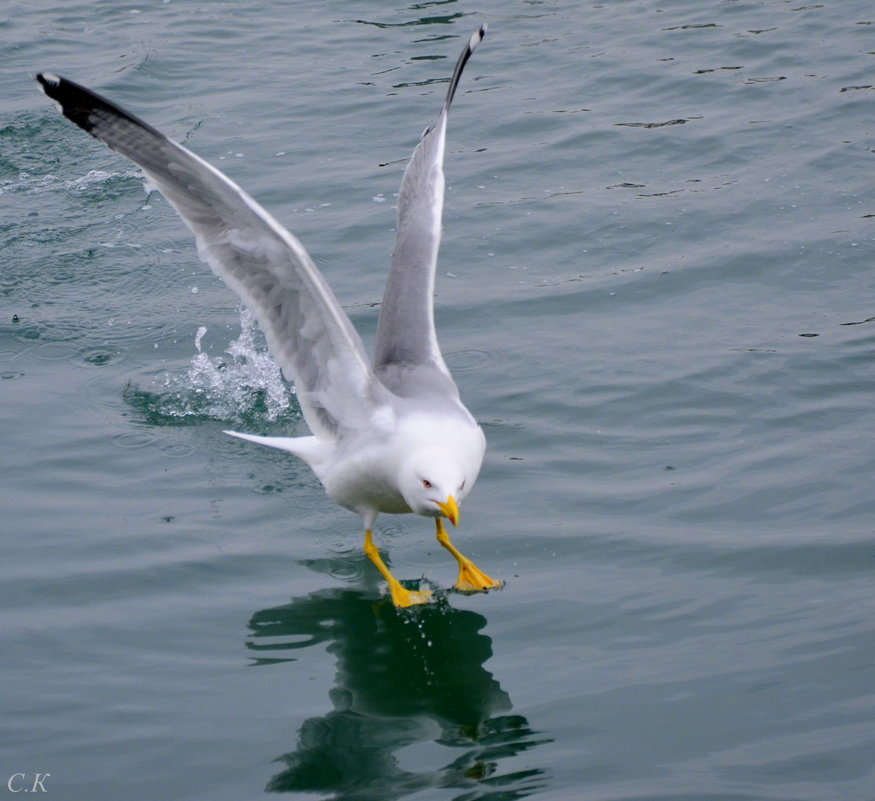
434	483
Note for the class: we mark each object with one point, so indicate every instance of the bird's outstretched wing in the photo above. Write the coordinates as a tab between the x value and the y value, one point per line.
306	329
405	333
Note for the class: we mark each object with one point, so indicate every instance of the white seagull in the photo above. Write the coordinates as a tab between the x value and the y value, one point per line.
388	436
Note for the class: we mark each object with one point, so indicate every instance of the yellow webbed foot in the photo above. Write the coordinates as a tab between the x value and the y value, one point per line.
473	579
402	597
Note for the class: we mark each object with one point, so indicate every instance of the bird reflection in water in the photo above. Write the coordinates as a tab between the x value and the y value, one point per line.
405	680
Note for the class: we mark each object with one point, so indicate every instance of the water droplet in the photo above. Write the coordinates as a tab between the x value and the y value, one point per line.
199	336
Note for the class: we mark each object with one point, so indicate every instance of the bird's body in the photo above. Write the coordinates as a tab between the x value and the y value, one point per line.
389	436
360	469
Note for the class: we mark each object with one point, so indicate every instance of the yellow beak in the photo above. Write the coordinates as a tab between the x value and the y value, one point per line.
451	510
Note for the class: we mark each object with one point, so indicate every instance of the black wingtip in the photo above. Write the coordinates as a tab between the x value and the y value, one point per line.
48	85
475	40
80	105
47	79
73	101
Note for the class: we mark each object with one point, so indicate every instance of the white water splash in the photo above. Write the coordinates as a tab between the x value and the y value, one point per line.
27	183
235	383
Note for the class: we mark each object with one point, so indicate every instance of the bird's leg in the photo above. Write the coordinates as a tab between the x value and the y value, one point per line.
400	595
471	577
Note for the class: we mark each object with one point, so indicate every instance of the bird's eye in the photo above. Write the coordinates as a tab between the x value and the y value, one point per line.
426	483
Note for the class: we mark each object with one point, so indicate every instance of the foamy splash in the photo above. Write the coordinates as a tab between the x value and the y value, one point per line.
27	183
242	385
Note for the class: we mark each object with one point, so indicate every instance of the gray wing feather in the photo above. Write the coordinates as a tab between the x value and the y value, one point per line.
405	332
306	329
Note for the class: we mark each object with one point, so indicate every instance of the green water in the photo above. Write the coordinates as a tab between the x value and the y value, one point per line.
656	293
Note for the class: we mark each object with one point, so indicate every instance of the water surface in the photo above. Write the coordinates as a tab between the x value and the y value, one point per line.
656	292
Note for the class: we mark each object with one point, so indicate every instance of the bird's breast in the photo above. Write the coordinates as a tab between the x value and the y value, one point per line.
365	482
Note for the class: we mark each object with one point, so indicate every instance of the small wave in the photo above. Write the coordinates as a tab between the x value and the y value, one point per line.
30	184
244	385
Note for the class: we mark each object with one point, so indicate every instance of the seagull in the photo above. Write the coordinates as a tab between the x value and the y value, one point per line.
389	435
